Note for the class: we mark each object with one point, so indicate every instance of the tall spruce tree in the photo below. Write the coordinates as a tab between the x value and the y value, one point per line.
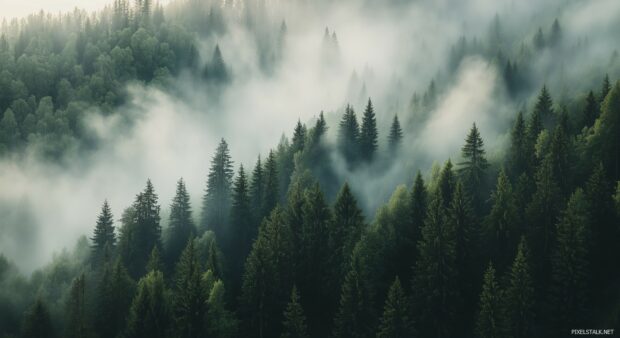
216	201
349	136
472	169
242	229
368	133
560	153
257	191
104	239
396	321
491	320
518	153
446	184
149	316
272	190
113	300
189	306
436	296
220	321
520	297
605	88
294	325
181	226
38	322
603	142
299	138
544	108
77	326
501	229
590	111
396	134
570	268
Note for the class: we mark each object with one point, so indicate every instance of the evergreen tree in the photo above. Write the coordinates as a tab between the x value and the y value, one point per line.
149	314
216	70
294	325
181	226
368	133
395	322
473	167
76	314
520	297
299	138
539	39
590	111
220	321
216	201
544	108
501	228
9	130
605	88
349	136
491	321
113	301
396	134
446	184
154	263
570	267
604	142
518	153
257	191
418	206
435	291
37	322
104	239
190	295
272	191
242	228
141	231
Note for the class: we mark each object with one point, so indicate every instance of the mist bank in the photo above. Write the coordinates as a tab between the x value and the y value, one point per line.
383	51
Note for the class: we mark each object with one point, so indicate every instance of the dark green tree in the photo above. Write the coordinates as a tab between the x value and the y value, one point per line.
560	152
113	300
242	229
37	322
149	316
518	153
520	297
603	142
216	70
220	321
396	321
349	136
590	111
77	326
446	184
396	134
491	319
190	295
216	201
272	190
472	169
368	133
294	325
155	263
181	226
104	239
257	191
501	229
544	108
418	205
605	88
299	138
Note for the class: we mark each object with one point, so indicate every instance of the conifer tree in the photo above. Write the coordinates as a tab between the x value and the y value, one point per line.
76	313
299	138
114	294
272	191
501	228
37	322
189	295
605	88
418	206
435	291
257	191
518	153
520	297
220	321
474	165
181	226
217	70
569	265
544	108
294	325
242	229
396	134
154	263
349	136
590	111
491	320
603	142
395	322
149	316
368	133
446	184
104	239
216	201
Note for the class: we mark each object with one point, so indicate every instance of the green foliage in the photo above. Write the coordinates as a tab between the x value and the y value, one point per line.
446	184
181	225
518	153
418	206
603	141
294	325
368	133
395	321
76	314
220	321
473	167
349	136
37	323
104	239
520	297
396	134
217	199
491	320
113	300
501	225
242	229
190	294
271	190
150	313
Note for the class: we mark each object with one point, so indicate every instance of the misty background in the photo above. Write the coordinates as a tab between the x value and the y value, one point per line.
385	50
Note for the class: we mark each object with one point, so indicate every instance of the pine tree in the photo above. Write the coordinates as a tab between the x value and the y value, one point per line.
114	294
395	322
272	191
603	142
396	134
216	201
539	39
418	205
220	321
491	320
501	228
141	231
518	154
299	138
154	263
605	88
181	226
189	295
544	108
216	70
257	191
520	297
560	155
368	133
75	313
268	273
294	325
590	111
149	314
349	136
473	167
570	266
446	184
104	239
242	228
37	322
435	291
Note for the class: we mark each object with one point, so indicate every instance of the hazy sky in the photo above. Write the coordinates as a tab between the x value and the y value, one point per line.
15	8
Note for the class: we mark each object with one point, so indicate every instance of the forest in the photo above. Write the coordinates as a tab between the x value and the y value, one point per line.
250	168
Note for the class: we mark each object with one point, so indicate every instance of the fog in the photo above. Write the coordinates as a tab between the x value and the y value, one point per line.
395	48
